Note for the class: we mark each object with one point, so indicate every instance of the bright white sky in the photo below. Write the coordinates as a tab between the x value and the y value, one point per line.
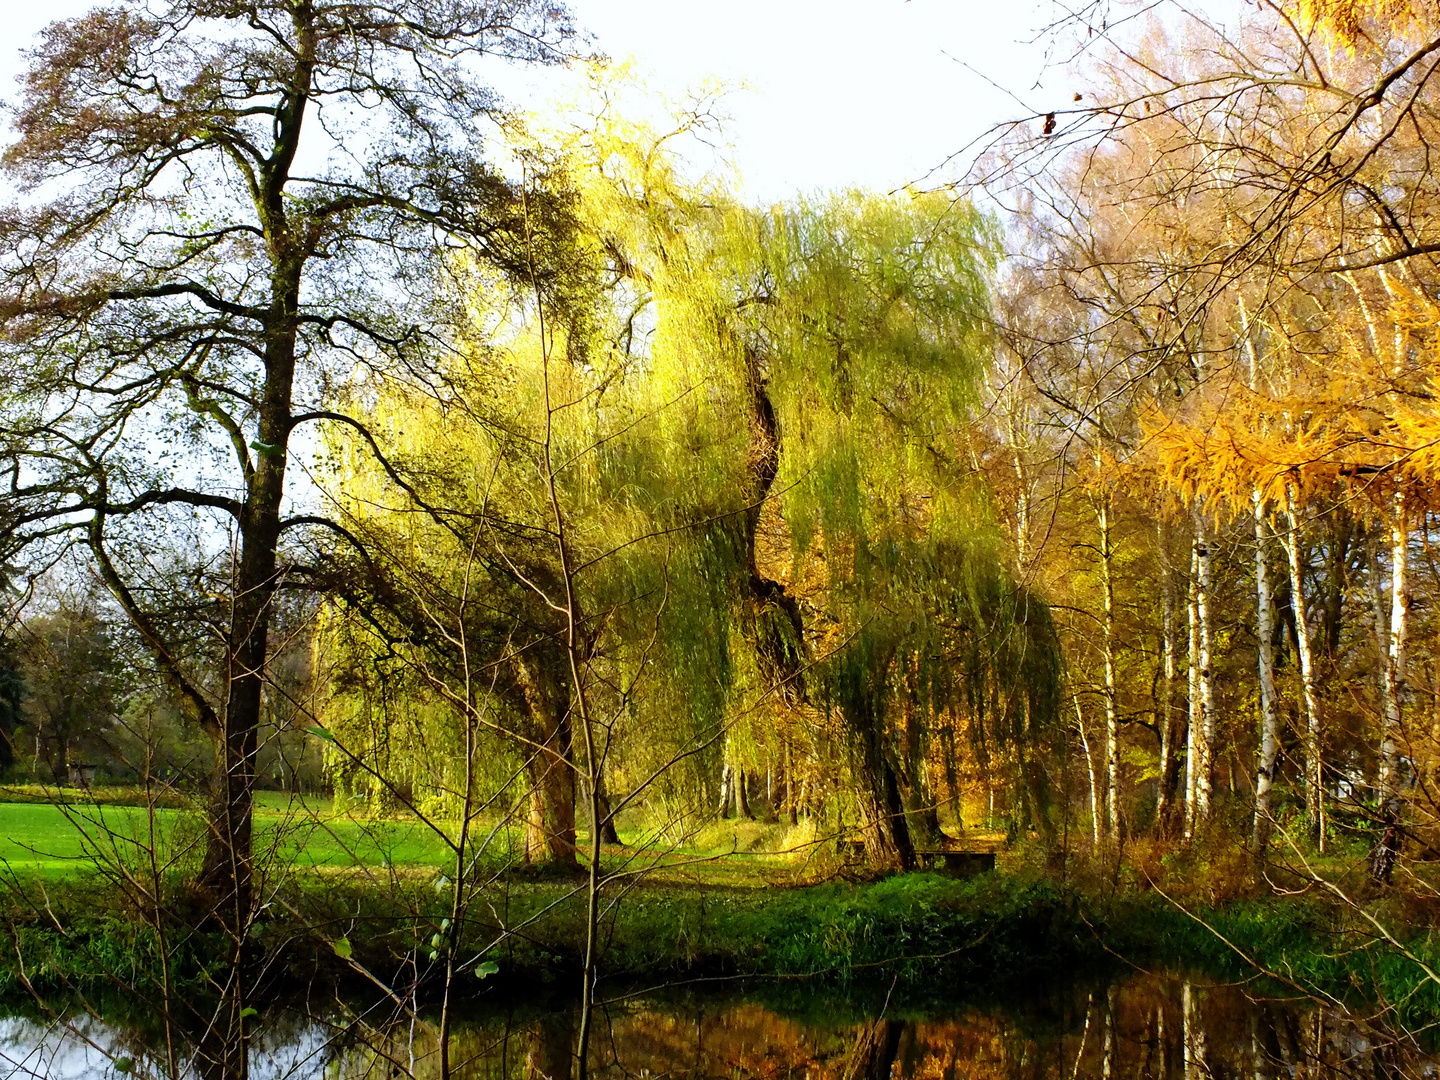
840	92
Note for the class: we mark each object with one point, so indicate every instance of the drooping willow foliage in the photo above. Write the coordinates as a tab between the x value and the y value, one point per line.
757	422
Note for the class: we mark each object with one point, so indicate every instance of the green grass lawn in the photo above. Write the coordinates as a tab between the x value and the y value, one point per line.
40	838
45	839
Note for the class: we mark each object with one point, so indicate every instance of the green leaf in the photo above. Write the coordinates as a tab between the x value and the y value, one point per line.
321	733
343	949
485	970
123	1064
245	1014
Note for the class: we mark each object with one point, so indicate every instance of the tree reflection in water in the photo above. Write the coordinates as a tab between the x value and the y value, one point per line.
1149	1027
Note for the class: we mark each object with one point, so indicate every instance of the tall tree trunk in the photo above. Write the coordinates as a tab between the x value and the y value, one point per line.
1390	640
550	821
919	806
1314	770
1169	734
1192	679
1269	711
1032	774
952	773
1204	738
882	812
1112	722
1097	817
791	814
1394	661
727	787
742	794
774	624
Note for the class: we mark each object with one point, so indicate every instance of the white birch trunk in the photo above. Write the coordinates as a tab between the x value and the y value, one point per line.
1314	778
1112	723
1164	809
1205	742
1192	733
1269	712
1393	659
1095	814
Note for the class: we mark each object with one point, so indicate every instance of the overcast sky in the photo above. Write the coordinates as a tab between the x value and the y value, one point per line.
840	92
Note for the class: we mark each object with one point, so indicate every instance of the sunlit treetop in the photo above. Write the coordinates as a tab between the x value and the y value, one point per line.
1346	21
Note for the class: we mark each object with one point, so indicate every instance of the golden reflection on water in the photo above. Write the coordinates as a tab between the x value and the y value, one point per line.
1147	1027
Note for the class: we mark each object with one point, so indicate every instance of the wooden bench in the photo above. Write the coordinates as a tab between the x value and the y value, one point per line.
959	863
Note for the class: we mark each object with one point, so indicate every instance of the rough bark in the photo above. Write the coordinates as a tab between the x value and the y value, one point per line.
919	805
722	811
882	811
776	626
550	765
742	794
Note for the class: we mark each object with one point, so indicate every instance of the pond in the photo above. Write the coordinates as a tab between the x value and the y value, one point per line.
1145	1026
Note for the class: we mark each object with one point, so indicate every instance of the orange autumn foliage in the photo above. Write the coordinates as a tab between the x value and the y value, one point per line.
1353	410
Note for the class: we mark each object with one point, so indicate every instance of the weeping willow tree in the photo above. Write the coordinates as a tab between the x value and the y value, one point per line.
860	330
760	420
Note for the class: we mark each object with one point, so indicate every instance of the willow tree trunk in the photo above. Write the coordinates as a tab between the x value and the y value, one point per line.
1314	767
775	625
920	807
882	811
1269	711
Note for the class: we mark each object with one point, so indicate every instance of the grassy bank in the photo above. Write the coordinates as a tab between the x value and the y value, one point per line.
733	903
919	936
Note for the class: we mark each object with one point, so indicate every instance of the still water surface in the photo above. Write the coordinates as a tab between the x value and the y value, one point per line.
1146	1026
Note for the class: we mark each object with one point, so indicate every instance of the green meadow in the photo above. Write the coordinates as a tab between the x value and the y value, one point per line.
67	838
49	834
